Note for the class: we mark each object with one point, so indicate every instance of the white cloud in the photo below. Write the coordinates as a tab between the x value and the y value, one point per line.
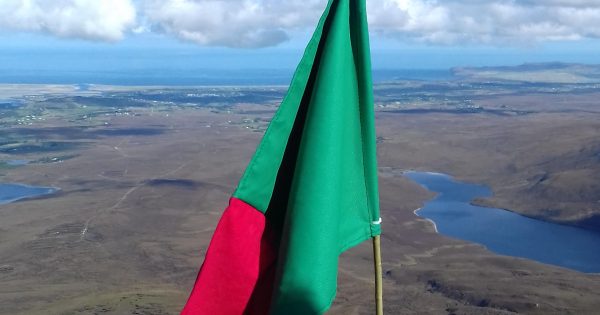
254	23
233	23
259	23
488	22
87	19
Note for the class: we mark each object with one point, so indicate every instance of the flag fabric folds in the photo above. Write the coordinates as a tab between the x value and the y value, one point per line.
310	191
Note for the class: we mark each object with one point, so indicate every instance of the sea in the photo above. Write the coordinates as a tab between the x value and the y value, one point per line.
191	77
135	68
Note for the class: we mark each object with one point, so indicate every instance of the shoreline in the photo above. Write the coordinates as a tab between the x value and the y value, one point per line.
50	191
581	223
426	219
576	224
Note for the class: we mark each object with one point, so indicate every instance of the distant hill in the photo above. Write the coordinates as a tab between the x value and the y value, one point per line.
552	72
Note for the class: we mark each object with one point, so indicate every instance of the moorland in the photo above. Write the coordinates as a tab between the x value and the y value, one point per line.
145	172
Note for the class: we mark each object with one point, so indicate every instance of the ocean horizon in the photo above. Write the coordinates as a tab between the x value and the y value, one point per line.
192	77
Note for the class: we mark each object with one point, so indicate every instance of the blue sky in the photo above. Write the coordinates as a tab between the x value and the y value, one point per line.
406	34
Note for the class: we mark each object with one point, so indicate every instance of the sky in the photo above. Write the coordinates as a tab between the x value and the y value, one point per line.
405	34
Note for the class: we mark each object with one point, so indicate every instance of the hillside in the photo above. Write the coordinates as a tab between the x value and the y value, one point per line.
554	72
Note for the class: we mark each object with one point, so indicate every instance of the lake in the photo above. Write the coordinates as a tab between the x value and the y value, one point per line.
16	162
502	231
13	192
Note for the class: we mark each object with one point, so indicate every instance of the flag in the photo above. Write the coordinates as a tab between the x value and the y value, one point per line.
310	190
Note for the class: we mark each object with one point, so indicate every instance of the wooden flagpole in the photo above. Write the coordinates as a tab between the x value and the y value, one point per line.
378	275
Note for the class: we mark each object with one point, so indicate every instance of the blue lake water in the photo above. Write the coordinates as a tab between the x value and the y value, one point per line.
502	231
16	162
13	192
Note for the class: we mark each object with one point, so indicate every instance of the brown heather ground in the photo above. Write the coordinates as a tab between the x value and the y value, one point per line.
128	230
